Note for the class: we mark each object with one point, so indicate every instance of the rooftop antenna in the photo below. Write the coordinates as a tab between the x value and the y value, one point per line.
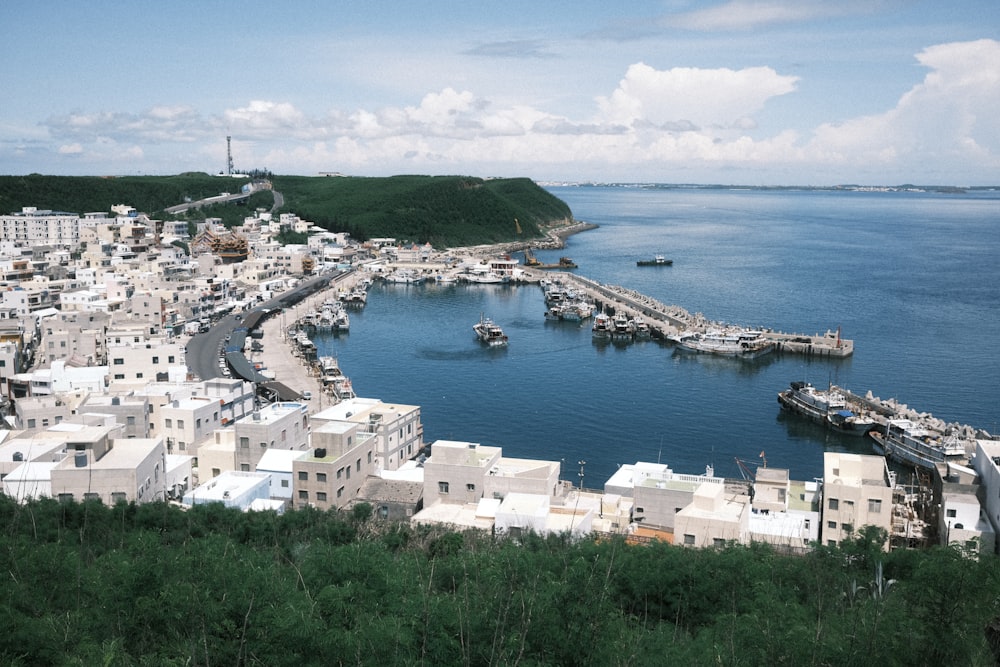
229	155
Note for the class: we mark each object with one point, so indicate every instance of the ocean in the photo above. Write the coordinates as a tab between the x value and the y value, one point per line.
912	278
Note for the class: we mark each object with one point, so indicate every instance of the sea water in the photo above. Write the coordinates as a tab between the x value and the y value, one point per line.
912	278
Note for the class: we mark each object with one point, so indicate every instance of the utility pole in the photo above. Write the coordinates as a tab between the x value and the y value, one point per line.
229	155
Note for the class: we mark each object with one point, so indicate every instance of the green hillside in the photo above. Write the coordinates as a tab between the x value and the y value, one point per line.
443	210
85	584
85	194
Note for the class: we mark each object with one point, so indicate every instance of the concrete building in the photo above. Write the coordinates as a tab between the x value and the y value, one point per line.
278	463
132	412
236	489
784	513
397	429
277	426
332	473
657	492
131	470
714	518
857	492
987	465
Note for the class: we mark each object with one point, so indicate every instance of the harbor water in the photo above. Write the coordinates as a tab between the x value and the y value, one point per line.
911	277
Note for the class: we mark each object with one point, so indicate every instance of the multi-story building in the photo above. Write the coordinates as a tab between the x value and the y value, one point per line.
33	226
130	470
332	472
397	428
276	426
657	492
131	412
857	492
188	422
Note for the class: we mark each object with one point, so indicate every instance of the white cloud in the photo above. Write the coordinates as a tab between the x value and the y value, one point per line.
754	14
715	97
71	149
951	116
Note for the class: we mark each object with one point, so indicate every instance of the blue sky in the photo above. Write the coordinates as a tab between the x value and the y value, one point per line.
767	92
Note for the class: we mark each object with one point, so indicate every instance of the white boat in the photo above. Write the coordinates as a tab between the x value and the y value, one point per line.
827	407
602	326
914	444
620	329
404	277
489	332
742	343
640	328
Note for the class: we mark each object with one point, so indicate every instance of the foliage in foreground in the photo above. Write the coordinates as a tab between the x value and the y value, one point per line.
154	585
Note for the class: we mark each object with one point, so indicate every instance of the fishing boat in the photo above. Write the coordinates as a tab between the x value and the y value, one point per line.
489	332
602	327
827	407
404	277
912	443
741	343
658	260
620	329
640	328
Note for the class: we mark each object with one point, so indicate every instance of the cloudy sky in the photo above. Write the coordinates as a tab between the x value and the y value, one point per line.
795	92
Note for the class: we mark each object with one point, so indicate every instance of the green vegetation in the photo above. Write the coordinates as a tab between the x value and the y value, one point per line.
446	211
84	194
86	584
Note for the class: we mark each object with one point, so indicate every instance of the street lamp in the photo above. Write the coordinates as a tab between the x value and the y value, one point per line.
582	464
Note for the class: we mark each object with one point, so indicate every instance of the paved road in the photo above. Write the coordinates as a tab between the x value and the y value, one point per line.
205	350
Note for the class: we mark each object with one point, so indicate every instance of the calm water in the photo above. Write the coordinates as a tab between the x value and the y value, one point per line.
913	279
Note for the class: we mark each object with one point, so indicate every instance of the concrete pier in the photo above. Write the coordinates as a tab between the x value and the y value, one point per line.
666	320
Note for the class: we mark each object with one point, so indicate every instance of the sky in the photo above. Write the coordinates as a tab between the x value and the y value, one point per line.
749	92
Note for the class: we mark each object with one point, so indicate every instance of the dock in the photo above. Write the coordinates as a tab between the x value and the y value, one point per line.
668	320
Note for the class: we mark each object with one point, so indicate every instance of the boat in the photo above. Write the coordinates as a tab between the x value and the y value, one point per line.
602	326
577	310
742	343
404	276
489	332
620	329
640	328
912	443
827	407
658	260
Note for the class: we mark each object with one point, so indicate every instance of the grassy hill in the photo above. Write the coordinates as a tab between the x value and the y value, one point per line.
443	210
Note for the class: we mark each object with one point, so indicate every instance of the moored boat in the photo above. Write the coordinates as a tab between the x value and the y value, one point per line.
827	407
912	443
602	326
742	343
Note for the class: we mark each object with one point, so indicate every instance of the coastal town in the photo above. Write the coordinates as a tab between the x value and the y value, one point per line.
142	364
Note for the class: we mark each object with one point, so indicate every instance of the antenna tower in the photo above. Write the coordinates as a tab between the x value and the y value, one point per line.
229	155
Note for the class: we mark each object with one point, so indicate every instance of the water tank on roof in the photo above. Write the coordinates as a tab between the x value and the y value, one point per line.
18	456
321	452
80	459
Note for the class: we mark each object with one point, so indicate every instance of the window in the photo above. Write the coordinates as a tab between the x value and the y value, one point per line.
369	457
321	496
640	510
833	504
138	376
952	514
303	495
156	360
119	376
383	511
118	497
244	442
781	495
340	492
65	497
303	476
130	421
688	539
92	496
348	469
718	542
119	361
358	465
321	477
470	487
31	423
180	423
244	467
442	487
832	525
169	423
170	359
874	506
284	483
340	473
847	527
216	472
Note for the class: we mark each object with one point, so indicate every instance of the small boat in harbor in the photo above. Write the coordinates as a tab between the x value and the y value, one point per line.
640	328
602	326
620	329
658	260
489	332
